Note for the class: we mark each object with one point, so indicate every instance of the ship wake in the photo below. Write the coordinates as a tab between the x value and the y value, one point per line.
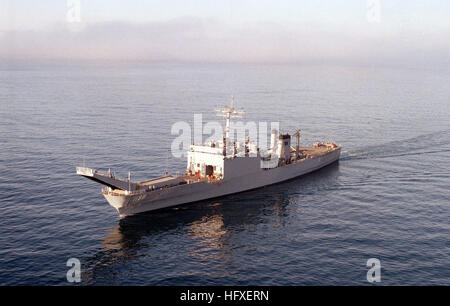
430	143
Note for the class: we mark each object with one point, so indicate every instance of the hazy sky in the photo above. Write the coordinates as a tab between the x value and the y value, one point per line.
245	30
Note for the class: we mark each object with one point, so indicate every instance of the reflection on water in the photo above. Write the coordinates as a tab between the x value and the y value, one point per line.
208	232
205	231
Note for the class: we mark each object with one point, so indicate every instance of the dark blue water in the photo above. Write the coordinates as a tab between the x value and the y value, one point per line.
387	198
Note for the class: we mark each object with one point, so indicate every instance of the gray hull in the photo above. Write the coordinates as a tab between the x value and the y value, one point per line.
187	193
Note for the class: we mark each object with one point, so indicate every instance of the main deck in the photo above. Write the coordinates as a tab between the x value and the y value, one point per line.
165	182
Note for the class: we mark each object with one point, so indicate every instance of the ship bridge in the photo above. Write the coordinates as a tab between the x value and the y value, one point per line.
223	159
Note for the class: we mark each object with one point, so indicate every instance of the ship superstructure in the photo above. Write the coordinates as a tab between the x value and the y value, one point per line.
217	168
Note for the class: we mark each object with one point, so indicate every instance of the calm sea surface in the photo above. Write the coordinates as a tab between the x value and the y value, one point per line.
388	197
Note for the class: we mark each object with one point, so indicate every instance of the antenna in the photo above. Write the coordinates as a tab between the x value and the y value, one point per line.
167	162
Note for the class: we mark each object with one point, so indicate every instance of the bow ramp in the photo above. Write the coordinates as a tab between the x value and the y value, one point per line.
107	179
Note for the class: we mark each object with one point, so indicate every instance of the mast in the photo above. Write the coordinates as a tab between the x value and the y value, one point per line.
297	146
228	121
229	112
129	180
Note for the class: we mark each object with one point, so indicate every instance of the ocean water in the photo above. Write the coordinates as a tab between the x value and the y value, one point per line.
387	198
